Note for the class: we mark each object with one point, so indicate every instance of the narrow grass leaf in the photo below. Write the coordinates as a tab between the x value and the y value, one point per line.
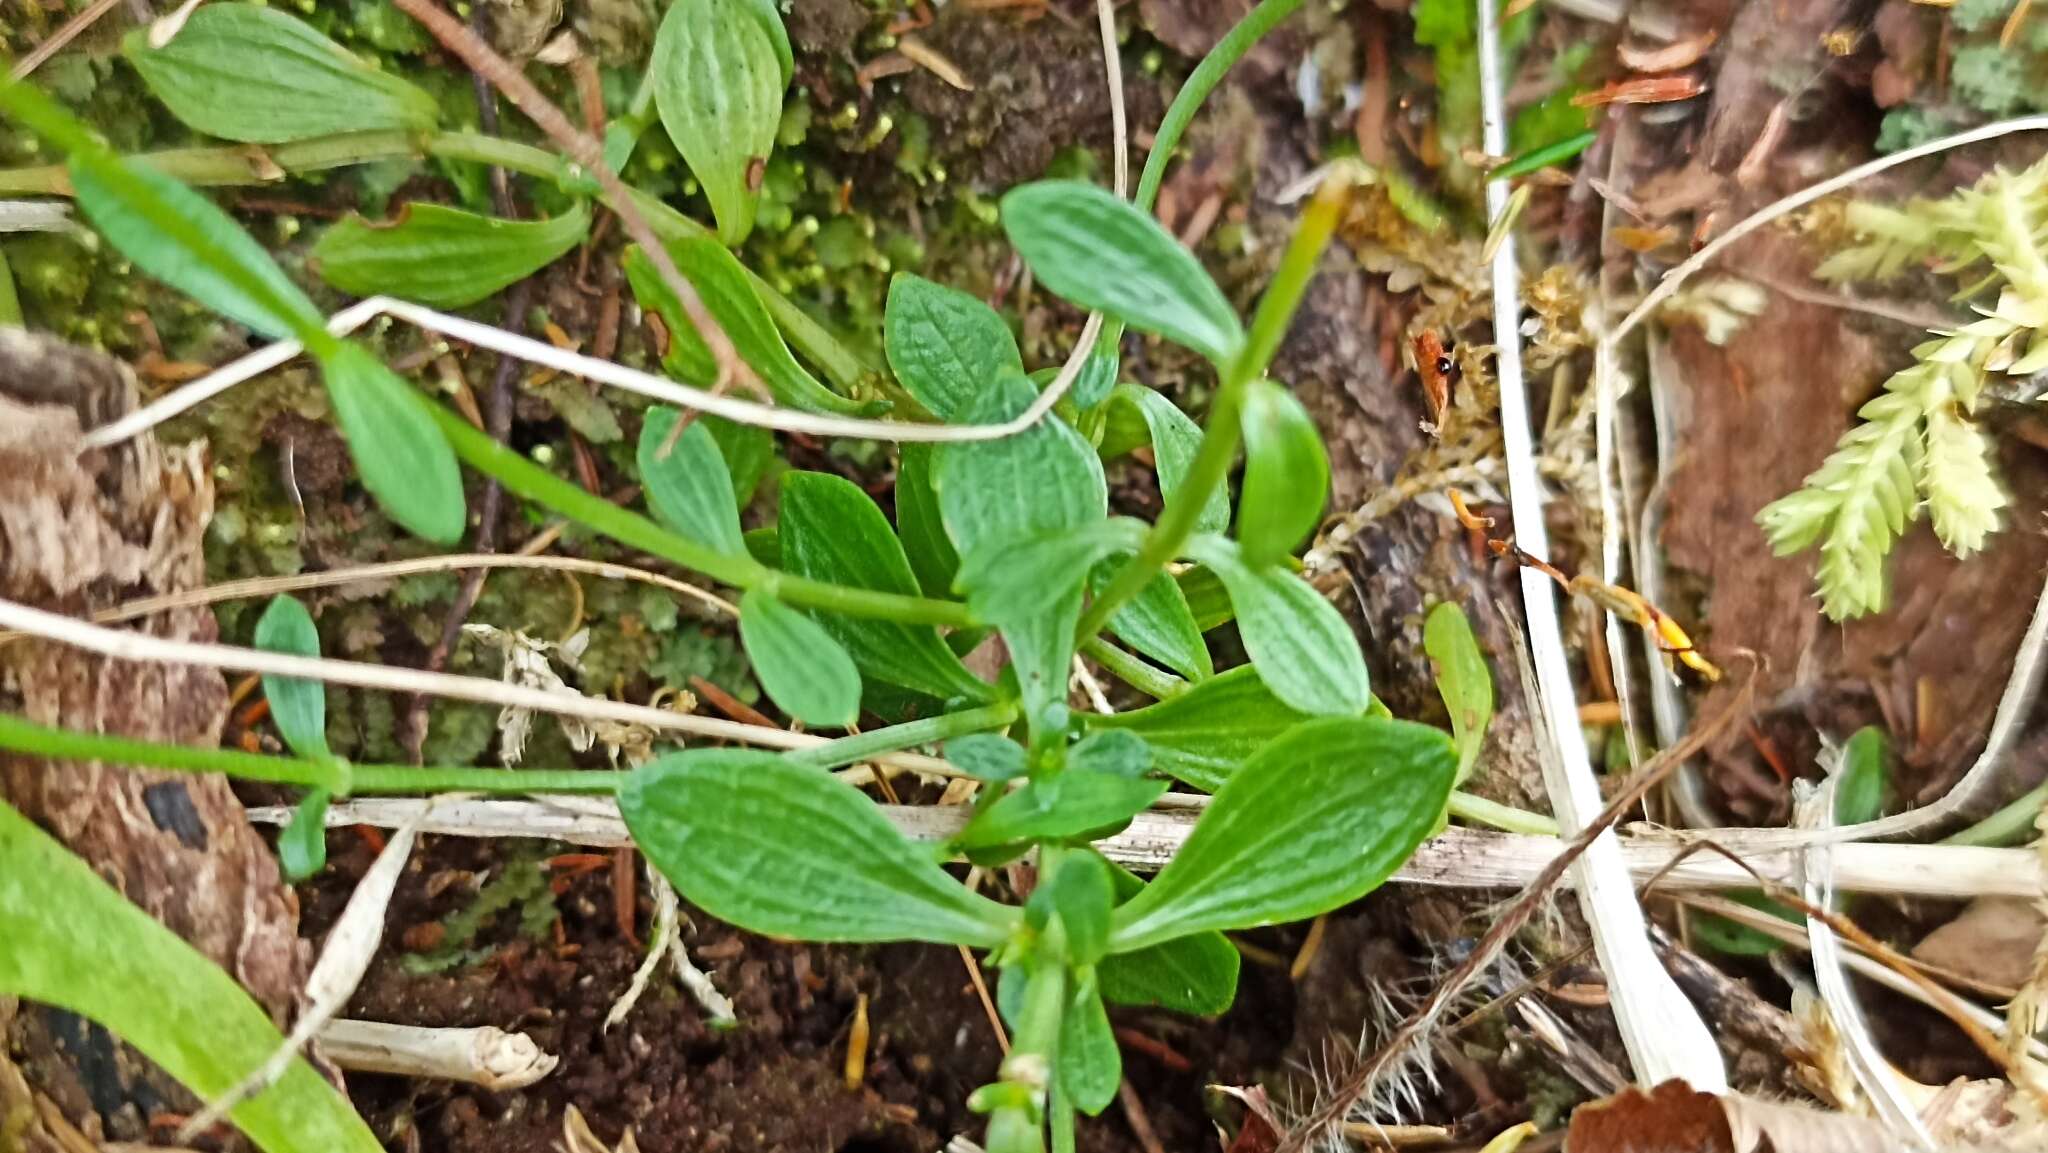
1286	474
805	672
260	76
1093	249
297	706
1299	642
945	347
718	81
1462	678
690	489
443	257
832	531
1313	821
779	848
1202	735
405	461
75	943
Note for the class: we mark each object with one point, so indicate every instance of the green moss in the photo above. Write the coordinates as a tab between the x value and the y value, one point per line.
458	733
521	884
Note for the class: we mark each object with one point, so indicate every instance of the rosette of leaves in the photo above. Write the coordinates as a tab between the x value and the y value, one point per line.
1917	443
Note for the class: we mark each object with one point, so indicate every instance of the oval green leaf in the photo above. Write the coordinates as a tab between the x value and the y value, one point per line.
690	489
804	671
76	943
1068	804
921	524
1462	678
832	531
1299	642
405	461
297	706
778	848
1286	474
1195	974
1090	1067
1082	893
1202	735
987	757
718	80
443	257
302	846
1043	480
946	347
1158	623
260	76
1313	821
1859	791
721	282
1175	439
1099	252
180	237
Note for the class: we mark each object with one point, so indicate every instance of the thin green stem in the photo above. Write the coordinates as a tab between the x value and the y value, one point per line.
525	479
337	776
1504	817
1153	682
862	746
1220	437
1200	83
2009	825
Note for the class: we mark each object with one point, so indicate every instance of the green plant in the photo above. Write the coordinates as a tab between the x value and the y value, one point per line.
1916	442
1319	795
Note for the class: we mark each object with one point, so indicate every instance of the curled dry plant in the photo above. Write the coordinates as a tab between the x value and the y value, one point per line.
1916	443
1319	795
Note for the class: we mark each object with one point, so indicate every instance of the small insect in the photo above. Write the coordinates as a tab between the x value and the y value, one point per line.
1438	368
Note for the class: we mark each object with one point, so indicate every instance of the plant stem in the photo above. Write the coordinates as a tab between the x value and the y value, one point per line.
1504	817
1202	81
336	775
1220	436
862	746
1138	674
536	484
2008	826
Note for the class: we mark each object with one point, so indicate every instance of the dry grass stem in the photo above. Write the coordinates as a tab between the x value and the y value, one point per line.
485	1055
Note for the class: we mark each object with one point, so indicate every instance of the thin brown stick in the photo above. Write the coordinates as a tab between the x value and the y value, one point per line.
62	36
1360	1080
585	151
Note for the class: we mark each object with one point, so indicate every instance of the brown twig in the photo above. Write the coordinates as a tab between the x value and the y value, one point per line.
1361	1079
586	152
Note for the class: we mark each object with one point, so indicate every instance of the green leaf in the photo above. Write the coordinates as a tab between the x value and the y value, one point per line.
1202	735
721	282
718	80
987	757
1286	474
1175	440
75	943
1098	374
771	20
260	76
945	346
179	237
778	848
690	489
1043	480
1734	939
749	452
1207	599
1081	892
1859	791
1090	1067
804	671
832	531
302	846
1070	804
1118	752
1300	643
1099	252
1027	577
920	523
1462	678
298	706
1158	623
405	461
1196	974
1313	821
443	257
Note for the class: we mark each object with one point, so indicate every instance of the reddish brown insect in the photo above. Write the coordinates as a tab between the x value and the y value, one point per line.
1438	368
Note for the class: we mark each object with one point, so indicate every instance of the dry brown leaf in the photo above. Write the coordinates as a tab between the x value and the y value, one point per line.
1669	57
1992	940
